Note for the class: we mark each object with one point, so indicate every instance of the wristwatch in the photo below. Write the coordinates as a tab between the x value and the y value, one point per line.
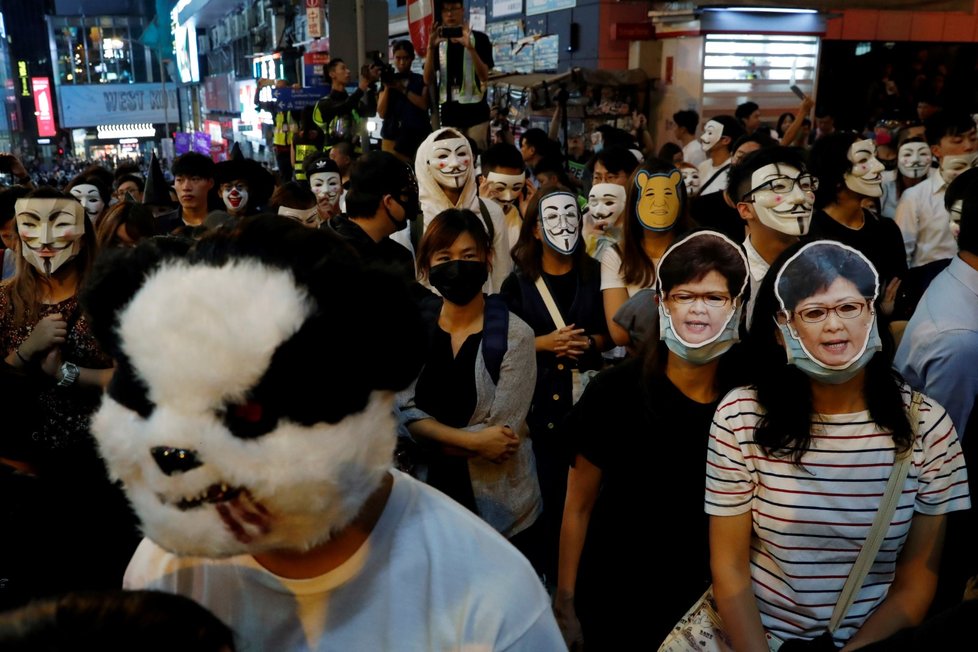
69	374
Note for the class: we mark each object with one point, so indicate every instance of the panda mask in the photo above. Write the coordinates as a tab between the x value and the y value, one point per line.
239	418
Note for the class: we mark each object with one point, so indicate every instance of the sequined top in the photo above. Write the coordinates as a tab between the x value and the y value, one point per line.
66	409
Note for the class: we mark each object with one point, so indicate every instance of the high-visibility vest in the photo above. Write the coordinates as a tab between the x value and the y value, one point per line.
301	152
340	128
282	133
471	91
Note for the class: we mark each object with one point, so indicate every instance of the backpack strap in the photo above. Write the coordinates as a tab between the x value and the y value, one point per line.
495	334
490	228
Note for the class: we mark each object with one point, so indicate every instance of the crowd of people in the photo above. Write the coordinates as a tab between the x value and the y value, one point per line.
467	394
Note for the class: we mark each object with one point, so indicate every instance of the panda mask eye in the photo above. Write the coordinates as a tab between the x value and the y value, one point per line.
249	419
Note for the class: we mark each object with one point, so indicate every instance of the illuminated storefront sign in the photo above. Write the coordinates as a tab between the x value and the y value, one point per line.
43	107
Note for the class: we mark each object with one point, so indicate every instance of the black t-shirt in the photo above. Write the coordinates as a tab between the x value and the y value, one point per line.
458	115
650	442
879	240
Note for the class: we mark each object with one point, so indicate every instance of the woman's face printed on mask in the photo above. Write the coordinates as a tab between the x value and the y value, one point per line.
833	324
699	310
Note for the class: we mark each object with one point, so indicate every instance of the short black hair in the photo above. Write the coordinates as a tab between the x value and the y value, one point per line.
688	119
830	162
193	164
617	159
403	44
331	66
501	155
964	188
8	201
947	123
760	137
745	110
374	175
732	128
538	140
135	178
739	178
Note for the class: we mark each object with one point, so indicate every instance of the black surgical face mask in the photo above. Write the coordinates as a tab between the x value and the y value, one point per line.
459	281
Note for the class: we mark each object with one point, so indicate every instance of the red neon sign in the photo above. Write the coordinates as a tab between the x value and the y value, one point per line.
43	107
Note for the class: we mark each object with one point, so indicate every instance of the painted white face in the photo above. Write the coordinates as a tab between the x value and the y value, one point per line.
50	231
307	217
506	188
914	159
691	177
955	220
90	198
560	221
327	187
450	162
210	470
606	203
235	196
712	133
866	175
788	211
955	164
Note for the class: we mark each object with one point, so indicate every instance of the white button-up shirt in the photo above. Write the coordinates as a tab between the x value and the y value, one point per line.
925	223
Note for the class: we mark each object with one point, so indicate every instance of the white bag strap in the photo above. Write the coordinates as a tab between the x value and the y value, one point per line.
548	301
891	497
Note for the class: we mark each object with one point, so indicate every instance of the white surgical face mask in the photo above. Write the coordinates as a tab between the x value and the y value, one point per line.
789	213
691	177
326	185
90	198
506	188
235	197
866	175
560	221
50	231
955	164
606	203
308	217
914	159
712	133
450	162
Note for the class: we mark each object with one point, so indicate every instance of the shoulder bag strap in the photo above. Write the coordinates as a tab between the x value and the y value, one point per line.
487	218
548	301
867	555
715	175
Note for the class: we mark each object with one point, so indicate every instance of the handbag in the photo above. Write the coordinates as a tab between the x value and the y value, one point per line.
701	628
579	379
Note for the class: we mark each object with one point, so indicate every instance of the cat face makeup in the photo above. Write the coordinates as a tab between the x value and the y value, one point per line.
50	231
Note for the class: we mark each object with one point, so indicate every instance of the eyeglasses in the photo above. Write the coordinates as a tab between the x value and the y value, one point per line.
815	314
712	300
784	185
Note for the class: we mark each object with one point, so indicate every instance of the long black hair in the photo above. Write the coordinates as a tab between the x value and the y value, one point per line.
527	253
785	392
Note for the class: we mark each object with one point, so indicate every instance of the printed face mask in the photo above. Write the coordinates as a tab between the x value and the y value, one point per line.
955	217
691	177
90	198
506	188
699	320
50	231
235	196
955	164
830	331
914	159
450	162
712	133
307	217
865	177
606	203
327	187
560	221
660	199
780	201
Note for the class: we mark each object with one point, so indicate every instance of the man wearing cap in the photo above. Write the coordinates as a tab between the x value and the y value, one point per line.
193	179
382	200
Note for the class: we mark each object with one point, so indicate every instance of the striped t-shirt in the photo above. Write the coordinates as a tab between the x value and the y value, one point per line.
810	522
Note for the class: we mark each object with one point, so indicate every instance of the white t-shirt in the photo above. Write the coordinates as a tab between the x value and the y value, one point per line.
611	274
431	576
693	152
809	523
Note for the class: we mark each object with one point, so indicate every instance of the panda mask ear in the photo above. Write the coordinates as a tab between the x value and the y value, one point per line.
116	277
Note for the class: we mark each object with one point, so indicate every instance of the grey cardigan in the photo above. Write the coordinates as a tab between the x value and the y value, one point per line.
507	495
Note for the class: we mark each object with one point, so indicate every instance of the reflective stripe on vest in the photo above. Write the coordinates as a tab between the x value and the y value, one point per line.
470	91
282	134
301	152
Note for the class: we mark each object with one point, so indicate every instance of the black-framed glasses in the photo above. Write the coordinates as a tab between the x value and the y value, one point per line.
784	184
847	310
713	300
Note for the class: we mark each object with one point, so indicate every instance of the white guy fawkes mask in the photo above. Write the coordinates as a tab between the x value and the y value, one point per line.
90	198
560	221
914	159
506	188
307	217
955	164
955	214
788	211
712	133
235	196
691	177
866	176
50	231
328	185
450	162
606	203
